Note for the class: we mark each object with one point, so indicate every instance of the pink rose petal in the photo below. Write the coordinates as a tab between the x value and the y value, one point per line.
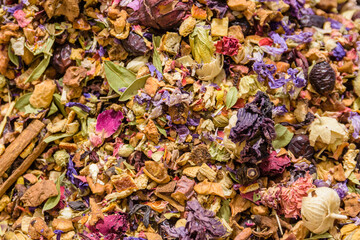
19	15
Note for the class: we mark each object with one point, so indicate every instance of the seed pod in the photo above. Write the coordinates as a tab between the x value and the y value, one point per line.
322	78
247	173
320	209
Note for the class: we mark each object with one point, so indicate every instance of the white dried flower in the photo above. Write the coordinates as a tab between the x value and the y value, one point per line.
94	170
61	158
320	209
18	45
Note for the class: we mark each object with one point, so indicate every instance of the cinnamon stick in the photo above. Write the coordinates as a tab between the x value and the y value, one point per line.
23	167
19	144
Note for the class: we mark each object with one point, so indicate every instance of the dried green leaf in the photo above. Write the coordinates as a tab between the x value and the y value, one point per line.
324	235
233	177
156	56
129	166
353	179
53	109
118	77
80	113
57	101
30	109
283	136
39	70
202	46
13	58
45	48
256	197
225	212
56	137
53	201
356	104
231	97
132	89
161	130
157	40
22	101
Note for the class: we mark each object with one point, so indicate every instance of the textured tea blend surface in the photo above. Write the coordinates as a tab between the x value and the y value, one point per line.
186	119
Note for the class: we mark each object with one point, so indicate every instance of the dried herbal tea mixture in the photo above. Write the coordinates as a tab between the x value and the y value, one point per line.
179	119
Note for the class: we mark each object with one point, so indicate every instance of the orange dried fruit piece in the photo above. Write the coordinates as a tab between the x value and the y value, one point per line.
156	172
198	13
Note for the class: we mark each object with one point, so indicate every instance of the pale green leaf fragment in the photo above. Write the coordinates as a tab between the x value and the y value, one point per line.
80	113
324	235
13	58
39	70
53	201
219	152
53	109
161	130
356	104
118	77
249	86
57	136
231	97
353	179
132	89
283	136
46	47
22	101
156	57
30	109
57	101
202	46
225	212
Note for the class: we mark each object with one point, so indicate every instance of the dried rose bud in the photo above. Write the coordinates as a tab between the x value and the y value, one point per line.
300	146
150	13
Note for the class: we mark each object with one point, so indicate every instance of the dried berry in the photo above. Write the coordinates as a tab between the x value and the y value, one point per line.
300	146
245	26
312	21
61	58
78	205
135	45
322	78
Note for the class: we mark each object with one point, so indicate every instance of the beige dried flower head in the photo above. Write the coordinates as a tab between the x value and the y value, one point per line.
320	209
